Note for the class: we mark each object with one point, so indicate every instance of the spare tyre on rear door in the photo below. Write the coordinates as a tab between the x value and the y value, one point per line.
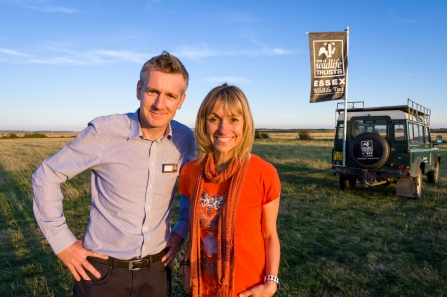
369	150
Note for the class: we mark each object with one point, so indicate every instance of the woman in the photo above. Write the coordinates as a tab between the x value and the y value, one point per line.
234	247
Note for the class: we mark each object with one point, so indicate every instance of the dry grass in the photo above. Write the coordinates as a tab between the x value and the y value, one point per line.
366	242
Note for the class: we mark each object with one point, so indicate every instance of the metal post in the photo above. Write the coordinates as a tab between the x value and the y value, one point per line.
346	99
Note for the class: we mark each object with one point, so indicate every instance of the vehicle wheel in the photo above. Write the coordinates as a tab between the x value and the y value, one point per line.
418	181
347	182
433	176
369	150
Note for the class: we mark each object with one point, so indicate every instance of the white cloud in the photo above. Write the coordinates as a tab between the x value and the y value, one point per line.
66	54
12	52
406	21
194	53
228	79
122	55
60	53
267	52
41	5
204	51
59	60
59	9
240	18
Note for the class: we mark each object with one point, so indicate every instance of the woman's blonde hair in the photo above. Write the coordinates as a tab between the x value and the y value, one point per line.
233	100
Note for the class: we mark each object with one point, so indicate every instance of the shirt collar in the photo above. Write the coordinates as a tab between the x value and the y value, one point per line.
135	128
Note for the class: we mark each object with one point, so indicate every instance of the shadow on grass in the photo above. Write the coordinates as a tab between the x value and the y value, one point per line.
25	257
362	242
300	177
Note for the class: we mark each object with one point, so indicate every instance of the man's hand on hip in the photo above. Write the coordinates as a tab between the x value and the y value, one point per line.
174	244
75	258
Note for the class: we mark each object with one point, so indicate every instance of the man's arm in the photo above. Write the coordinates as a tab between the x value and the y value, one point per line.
47	202
179	232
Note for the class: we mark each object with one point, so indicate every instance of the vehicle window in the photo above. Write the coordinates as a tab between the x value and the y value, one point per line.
427	135
340	131
371	126
399	132
422	134
413	133
357	129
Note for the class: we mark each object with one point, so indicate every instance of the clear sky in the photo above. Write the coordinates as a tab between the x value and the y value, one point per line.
63	63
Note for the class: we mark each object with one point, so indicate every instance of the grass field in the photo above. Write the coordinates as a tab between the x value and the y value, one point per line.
367	242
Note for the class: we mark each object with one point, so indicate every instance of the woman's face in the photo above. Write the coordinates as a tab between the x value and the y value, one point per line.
225	130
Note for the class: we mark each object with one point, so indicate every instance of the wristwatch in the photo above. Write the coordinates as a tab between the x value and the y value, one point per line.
272	278
185	262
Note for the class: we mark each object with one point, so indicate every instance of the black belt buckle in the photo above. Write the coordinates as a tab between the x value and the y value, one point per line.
133	262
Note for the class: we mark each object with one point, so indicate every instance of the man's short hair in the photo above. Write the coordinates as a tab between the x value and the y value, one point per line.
165	63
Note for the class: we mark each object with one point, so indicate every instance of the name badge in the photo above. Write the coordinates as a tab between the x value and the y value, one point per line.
168	168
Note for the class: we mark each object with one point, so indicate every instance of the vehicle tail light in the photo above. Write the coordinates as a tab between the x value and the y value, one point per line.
407	152
400	167
407	169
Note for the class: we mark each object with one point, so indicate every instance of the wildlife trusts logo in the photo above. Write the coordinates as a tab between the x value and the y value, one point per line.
328	51
367	148
329	60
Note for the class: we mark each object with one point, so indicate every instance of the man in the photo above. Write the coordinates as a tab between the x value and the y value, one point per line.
135	159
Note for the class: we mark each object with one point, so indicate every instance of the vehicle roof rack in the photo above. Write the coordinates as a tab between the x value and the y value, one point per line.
351	105
421	113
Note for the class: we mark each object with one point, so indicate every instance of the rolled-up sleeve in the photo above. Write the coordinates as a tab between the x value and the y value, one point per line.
182	225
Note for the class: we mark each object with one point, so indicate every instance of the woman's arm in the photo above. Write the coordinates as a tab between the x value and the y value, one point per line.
272	250
271	239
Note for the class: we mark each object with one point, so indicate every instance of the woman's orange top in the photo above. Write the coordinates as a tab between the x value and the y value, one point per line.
261	186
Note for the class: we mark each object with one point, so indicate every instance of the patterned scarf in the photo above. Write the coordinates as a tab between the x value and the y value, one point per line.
236	170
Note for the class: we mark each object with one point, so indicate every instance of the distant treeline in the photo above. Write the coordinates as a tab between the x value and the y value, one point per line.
36	134
321	130
296	130
29	135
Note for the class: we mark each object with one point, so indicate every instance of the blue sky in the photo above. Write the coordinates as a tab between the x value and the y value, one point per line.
63	63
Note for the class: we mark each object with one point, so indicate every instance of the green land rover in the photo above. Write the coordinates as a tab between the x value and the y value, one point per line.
385	145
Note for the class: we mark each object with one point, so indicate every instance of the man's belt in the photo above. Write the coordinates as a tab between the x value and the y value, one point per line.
133	264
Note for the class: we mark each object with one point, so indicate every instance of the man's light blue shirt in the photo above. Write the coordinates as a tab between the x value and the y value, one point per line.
132	187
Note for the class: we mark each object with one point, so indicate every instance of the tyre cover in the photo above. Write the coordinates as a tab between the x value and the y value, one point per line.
369	150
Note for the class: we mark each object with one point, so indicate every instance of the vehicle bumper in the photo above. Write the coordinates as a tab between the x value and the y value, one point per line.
370	177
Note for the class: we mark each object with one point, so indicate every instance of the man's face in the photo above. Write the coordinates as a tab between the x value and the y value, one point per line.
160	97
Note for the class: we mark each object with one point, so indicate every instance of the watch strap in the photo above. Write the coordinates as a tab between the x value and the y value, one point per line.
272	278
